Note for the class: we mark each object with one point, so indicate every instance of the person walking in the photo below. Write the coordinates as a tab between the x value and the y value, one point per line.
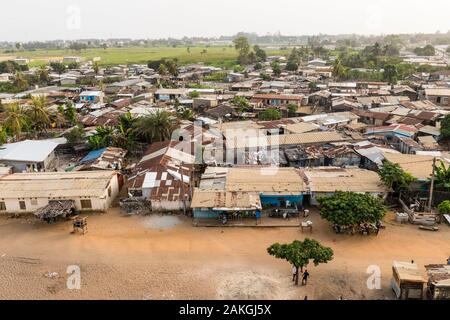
305	278
294	272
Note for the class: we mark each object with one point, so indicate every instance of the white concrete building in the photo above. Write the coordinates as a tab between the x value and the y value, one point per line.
27	192
28	155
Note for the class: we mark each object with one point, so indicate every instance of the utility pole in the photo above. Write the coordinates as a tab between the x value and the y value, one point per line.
432	185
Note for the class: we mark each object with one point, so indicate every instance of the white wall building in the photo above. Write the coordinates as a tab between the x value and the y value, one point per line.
27	192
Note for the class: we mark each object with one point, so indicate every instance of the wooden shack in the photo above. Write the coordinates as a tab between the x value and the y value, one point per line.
438	287
407	281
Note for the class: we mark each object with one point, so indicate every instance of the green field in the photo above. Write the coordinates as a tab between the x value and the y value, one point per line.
217	56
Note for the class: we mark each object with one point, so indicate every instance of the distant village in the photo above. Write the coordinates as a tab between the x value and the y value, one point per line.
253	145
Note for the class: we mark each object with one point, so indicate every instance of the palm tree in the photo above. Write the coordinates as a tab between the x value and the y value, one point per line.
16	120
155	127
3	135
442	174
185	114
39	114
20	82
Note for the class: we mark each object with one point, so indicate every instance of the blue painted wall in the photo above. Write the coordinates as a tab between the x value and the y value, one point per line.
275	200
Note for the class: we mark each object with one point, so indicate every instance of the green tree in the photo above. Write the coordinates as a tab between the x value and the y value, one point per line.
185	114
292	109
276	68
3	135
20	82
299	253
75	135
445	127
96	68
428	50
39	114
442	175
103	137
242	45
390	74
172	67
194	94
394	177
124	136
444	207
70	113
162	69
155	127
351	209
16	120
259	53
338	69
58	67
270	114
241	103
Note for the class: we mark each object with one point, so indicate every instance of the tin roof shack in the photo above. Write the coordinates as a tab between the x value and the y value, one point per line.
246	189
325	181
439	96
109	158
28	155
438	287
163	176
28	192
407	281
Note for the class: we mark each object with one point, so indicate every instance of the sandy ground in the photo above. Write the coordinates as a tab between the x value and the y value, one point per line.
154	257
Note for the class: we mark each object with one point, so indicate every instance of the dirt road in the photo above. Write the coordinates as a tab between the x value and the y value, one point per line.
166	258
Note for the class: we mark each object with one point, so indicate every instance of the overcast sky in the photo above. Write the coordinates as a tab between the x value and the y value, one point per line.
25	20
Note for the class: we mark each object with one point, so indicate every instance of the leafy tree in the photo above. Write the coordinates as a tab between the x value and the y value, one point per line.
444	207
70	113
103	137
292	108
428	50
75	135
155	127
3	135
242	45
351	209
185	114
172	67
58	67
16	120
445	127
20	82
442	175
276	68
270	114
258	66
194	94
259	53
394	177
240	103
390	74
299	253
291	66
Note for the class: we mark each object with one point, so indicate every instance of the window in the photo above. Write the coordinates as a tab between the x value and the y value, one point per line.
109	192
34	202
22	205
86	204
2	206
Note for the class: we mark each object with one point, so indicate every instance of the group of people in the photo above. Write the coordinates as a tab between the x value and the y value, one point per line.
305	275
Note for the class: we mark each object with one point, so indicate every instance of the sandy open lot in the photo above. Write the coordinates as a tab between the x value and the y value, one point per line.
156	257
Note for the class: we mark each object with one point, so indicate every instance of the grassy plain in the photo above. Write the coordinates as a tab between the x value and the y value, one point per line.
218	56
